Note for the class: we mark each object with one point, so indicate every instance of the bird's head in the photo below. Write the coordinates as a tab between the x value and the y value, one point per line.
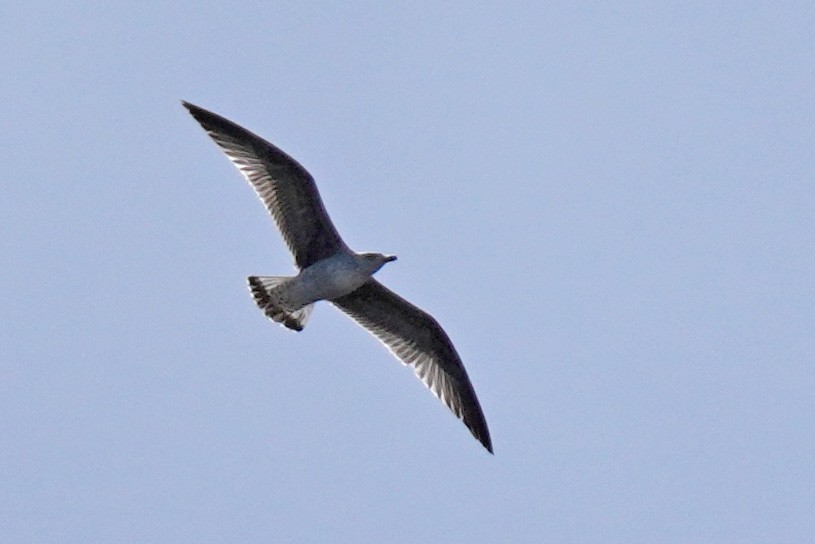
375	261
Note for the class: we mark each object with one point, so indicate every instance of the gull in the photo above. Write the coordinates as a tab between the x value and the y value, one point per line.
329	270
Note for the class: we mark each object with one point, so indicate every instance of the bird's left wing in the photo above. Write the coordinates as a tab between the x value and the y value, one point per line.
286	188
418	340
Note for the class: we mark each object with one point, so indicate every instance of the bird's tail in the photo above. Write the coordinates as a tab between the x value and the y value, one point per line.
268	295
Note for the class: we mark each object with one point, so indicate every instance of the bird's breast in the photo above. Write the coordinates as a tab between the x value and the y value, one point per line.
331	278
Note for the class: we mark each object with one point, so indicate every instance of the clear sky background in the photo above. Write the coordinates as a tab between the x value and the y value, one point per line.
610	210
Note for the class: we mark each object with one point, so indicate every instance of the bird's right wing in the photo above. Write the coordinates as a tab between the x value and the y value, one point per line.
418	340
287	189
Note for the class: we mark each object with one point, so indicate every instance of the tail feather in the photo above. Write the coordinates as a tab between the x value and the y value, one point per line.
269	298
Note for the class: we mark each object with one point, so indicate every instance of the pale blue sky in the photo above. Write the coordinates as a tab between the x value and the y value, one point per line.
610	210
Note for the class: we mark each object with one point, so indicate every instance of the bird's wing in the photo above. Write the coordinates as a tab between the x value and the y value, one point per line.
418	340
287	189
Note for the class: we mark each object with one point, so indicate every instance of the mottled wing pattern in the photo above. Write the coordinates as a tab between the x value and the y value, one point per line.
287	190
418	340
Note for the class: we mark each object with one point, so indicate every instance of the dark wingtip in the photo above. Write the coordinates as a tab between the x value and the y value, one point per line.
195	111
474	419
486	441
477	426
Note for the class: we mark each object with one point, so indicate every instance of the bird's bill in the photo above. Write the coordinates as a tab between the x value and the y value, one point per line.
390	258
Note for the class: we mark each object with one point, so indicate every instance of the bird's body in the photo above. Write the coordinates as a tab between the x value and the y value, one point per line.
287	300
336	276
329	270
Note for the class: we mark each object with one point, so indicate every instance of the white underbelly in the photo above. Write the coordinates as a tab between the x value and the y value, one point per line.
326	280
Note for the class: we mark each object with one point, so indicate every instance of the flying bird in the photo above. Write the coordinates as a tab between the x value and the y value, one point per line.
330	270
